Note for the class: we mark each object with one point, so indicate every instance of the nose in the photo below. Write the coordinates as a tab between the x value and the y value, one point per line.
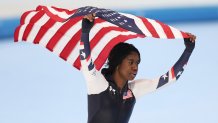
135	67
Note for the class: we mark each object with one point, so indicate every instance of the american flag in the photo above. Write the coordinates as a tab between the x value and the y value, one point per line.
59	30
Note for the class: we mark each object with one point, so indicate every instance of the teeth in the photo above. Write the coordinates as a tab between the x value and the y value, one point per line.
133	74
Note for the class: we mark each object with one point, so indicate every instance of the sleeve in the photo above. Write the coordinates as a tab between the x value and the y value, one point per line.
144	86
96	83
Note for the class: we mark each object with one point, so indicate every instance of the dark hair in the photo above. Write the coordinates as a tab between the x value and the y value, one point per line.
116	56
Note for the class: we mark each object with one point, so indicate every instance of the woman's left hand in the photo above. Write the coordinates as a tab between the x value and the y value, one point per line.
191	37
190	42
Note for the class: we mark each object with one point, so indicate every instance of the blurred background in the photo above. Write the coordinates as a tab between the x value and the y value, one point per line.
38	87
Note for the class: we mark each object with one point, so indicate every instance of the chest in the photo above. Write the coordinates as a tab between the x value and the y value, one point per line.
118	98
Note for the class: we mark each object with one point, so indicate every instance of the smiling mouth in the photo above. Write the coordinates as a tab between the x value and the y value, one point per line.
134	74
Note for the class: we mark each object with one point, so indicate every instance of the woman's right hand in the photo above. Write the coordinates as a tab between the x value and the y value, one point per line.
90	17
87	23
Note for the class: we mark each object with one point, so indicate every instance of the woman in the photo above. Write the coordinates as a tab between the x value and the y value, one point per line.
111	97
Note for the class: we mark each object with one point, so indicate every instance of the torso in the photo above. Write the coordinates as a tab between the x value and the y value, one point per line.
111	106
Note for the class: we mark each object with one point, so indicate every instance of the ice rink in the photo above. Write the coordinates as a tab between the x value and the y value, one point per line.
38	87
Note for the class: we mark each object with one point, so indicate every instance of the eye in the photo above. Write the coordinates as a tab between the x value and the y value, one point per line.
130	62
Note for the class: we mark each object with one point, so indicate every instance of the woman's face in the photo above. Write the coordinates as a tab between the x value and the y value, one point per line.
129	67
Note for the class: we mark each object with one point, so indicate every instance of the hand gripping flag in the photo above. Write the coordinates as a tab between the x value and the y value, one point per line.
59	30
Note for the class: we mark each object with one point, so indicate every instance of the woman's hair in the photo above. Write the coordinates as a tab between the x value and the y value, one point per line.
116	56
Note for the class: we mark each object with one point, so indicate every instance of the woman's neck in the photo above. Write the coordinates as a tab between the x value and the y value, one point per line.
118	80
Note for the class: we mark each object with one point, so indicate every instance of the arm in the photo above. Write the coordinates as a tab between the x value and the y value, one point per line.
96	83
143	86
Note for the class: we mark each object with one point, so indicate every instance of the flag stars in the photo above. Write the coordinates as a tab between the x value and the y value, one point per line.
121	23
179	73
164	76
83	54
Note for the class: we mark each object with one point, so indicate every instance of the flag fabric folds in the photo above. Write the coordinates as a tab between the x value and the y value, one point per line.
59	30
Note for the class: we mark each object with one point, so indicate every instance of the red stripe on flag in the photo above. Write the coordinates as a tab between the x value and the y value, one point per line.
98	20
81	43
22	21
77	63
29	27
167	30
56	17
87	59
185	35
16	33
23	17
101	33
69	12
43	30
172	72
150	27
61	31
70	45
53	16
39	8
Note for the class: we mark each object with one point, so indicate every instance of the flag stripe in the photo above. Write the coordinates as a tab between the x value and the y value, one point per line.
77	63
25	22
16	33
24	16
176	33
43	30
185	35
172	72
36	27
88	58
31	24
49	34
140	24
101	34
64	10
67	37
50	13
63	29
167	30
150	27
74	54
22	21
69	47
58	13
158	29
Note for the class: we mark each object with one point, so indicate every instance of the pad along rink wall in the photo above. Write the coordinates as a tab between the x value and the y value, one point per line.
166	11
